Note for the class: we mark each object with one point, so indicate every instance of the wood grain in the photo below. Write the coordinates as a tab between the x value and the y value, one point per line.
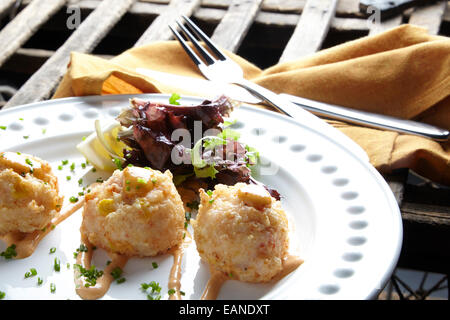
311	30
84	39
25	24
235	24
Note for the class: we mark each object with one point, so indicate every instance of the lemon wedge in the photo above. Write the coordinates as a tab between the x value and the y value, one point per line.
101	153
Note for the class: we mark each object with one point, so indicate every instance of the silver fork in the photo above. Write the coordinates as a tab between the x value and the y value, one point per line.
220	68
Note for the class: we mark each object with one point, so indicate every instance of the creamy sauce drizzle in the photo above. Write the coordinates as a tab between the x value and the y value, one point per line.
26	243
102	283
175	272
218	278
214	285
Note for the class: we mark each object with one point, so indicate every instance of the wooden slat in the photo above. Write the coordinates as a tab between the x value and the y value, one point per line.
84	39
311	29
235	24
4	6
390	8
378	27
214	16
139	7
159	29
25	24
429	16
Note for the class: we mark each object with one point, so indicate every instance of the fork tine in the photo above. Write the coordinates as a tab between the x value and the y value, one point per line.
187	48
206	55
204	37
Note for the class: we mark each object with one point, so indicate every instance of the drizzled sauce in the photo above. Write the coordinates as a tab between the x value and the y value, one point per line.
214	285
218	278
175	272
84	258
88	292
26	243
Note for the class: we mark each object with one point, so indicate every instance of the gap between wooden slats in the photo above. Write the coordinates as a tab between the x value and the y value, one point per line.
235	24
25	24
311	30
5	5
84	39
159	29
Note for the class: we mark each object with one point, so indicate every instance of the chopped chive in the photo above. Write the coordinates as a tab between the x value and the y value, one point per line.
73	199
52	250
10	252
171	291
154	265
40	281
57	265
68	178
64	162
2	295
52	288
31	273
3	127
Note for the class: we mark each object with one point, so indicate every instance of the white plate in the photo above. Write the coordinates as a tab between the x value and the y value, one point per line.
345	221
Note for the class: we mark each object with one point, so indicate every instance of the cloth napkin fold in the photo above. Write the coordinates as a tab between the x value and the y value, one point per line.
403	72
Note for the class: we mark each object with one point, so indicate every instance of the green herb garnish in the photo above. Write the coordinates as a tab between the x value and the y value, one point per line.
117	275
10	252
154	293
174	99
57	265
31	273
90	275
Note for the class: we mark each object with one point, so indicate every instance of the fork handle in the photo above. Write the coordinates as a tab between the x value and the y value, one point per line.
282	104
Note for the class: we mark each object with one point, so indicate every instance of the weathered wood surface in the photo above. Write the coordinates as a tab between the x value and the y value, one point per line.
429	16
5	5
235	24
381	26
84	39
159	29
388	8
311	29
25	24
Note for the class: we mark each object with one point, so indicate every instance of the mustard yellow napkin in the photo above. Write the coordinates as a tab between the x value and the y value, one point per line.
403	72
